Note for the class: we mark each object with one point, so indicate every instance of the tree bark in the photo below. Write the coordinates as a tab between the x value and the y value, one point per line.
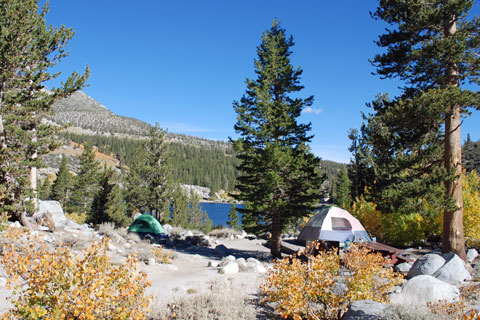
453	238
276	243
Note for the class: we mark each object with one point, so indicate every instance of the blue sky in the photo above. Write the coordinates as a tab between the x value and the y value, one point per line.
182	63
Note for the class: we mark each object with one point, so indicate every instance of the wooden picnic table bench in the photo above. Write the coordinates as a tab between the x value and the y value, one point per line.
396	255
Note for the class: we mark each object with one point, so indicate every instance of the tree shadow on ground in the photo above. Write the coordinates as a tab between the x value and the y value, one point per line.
211	253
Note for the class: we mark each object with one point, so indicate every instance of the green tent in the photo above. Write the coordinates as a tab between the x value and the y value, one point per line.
146	224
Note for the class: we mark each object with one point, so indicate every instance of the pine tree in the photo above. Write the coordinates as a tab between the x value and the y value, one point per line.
179	208
45	189
62	183
85	183
108	205
433	47
115	207
342	197
150	183
280	181
28	51
233	217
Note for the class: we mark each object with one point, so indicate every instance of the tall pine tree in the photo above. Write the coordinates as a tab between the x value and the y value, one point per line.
150	182
107	205
29	49
232	221
62	183
280	181
434	48
342	196
85	183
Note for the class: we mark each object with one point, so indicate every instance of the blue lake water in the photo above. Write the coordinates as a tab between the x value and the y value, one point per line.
218	212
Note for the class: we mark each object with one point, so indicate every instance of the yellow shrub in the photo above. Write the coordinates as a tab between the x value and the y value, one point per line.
79	218
162	255
403	229
471	207
3	221
305	289
369	216
55	284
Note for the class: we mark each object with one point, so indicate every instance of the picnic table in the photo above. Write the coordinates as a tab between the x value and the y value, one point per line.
396	255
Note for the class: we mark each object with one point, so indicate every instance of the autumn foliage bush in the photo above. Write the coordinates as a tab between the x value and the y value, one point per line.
56	284
310	286
405	229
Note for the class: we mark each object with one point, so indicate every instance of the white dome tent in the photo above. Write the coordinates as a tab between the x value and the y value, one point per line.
334	224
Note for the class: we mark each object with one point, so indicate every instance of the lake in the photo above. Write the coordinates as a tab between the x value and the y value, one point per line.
218	212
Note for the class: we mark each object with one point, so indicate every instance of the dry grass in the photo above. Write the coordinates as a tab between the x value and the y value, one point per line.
220	303
108	229
162	255
132	237
223	233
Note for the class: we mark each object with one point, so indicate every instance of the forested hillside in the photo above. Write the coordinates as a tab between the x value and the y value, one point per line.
210	165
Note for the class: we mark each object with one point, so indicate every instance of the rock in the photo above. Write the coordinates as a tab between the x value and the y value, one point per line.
251	259
471	255
230	268
199	240
167	228
213	264
151	261
227	260
453	271
221	250
250	237
403	267
239	236
188	233
111	247
3	282
16	224
242	264
48	238
127	245
55	209
364	310
423	289
252	266
426	265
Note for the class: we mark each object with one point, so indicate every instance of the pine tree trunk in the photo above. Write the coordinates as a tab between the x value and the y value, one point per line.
276	245
453	237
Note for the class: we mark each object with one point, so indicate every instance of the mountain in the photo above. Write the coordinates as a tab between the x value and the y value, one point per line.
81	111
195	161
85	115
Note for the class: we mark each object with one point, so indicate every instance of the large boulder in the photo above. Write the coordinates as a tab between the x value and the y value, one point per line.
453	271
54	209
230	268
364	310
472	254
423	289
426	265
403	267
226	260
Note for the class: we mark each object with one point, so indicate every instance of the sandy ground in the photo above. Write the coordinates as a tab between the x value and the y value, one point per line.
189	273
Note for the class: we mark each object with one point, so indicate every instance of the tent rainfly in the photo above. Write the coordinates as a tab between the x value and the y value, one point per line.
146	224
334	224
